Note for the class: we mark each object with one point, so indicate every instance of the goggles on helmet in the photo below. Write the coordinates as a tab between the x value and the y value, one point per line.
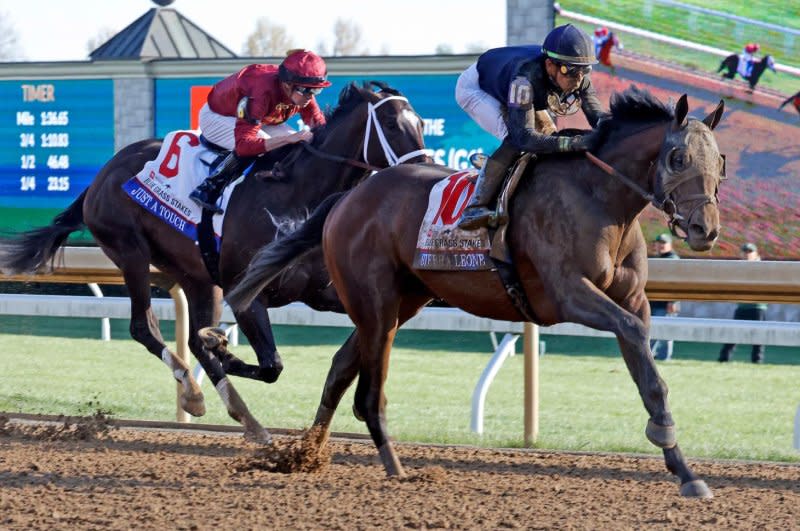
306	91
573	70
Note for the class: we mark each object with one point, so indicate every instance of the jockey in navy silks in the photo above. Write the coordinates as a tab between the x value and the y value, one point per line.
511	92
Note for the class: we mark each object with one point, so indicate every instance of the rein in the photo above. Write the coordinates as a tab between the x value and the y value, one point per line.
336	158
388	152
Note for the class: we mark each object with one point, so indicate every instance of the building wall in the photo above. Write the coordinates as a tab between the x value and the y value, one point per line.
133	110
528	21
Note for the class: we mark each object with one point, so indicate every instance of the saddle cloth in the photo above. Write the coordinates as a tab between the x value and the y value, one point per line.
441	245
163	186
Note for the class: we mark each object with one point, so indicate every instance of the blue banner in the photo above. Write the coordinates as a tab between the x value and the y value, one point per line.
450	134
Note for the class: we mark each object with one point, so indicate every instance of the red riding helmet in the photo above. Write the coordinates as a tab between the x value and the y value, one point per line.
304	68
752	47
601	31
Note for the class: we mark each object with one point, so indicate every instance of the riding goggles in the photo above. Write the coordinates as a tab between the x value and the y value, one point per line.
307	91
574	71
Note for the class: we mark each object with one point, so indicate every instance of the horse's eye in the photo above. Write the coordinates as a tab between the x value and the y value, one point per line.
676	160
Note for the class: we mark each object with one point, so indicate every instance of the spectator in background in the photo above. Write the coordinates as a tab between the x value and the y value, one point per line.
662	348
747	59
747	311
794	100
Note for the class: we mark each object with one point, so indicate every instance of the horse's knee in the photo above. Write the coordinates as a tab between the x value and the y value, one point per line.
270	373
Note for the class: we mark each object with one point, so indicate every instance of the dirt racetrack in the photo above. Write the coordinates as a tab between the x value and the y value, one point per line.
84	476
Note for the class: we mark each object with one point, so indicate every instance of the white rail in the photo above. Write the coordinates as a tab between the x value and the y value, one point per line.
669	279
663	38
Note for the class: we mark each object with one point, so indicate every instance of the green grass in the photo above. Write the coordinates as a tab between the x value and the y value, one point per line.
588	401
703	29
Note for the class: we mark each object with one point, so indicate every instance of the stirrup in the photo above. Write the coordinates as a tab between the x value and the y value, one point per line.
481	217
198	198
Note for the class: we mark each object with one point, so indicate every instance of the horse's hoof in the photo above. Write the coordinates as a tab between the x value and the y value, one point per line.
357	414
195	405
696	489
390	461
213	337
661	436
258	436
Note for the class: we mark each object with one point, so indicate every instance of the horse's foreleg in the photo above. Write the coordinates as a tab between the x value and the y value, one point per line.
237	409
585	304
255	325
206	342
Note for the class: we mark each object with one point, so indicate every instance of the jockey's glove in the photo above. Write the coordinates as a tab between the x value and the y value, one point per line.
575	143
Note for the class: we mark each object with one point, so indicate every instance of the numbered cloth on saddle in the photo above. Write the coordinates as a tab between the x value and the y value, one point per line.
441	245
163	186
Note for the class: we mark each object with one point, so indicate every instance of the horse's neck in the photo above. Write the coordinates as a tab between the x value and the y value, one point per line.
634	158
314	175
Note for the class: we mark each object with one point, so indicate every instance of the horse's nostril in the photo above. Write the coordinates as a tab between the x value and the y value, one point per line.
713	235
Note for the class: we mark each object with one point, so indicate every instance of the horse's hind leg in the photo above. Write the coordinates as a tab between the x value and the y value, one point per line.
144	329
344	368
585	304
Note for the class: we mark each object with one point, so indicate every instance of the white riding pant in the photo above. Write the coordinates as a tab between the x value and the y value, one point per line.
218	128
480	106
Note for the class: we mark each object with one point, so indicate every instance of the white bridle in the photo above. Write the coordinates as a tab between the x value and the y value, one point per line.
388	152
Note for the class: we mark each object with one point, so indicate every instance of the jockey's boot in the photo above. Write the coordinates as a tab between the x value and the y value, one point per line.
207	194
477	214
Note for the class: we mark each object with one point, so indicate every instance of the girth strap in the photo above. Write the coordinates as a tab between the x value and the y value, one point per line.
514	290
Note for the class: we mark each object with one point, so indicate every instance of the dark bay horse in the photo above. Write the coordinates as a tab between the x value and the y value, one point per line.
731	65
367	128
575	240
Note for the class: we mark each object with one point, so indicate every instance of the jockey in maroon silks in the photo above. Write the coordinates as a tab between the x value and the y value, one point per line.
794	100
247	112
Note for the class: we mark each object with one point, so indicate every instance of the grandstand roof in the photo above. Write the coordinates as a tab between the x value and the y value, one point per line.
161	33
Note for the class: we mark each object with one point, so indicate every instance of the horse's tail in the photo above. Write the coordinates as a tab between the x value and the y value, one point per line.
272	259
33	250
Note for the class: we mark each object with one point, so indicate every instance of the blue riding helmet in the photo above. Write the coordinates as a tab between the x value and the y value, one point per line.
569	45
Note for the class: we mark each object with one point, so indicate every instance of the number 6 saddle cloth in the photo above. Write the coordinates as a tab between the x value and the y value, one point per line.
163	186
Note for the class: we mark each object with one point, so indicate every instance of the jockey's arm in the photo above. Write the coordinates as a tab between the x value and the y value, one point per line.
523	135
276	142
250	142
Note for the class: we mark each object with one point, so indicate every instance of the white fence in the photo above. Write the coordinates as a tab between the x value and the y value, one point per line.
664	38
669	280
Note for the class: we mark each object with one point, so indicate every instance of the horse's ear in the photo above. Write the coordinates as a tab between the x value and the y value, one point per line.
716	115
681	110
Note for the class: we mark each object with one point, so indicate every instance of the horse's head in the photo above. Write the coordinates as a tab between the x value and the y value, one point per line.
688	170
770	62
381	126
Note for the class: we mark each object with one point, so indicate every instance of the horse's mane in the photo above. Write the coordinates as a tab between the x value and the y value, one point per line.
633	106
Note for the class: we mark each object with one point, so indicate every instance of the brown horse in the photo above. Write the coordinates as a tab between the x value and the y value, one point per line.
366	128
575	240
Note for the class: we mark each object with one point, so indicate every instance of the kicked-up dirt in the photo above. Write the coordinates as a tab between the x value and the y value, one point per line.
89	475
